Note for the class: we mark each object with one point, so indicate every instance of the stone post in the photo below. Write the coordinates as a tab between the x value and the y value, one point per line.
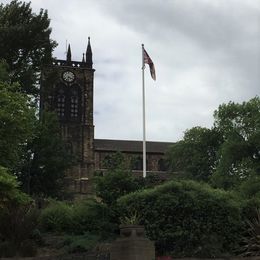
132	245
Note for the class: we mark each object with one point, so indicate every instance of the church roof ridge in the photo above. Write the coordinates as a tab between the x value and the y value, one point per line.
131	145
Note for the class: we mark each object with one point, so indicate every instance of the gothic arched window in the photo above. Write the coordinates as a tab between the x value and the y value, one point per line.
74	102
74	105
60	103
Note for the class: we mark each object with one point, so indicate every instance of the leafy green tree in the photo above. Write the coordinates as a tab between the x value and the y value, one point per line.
9	190
17	124
239	155
46	160
115	161
25	43
196	155
117	181
115	184
31	149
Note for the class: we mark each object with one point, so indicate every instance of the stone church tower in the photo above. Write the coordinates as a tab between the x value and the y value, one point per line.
67	89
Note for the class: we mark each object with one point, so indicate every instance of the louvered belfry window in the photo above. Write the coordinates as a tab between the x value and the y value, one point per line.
61	103
67	102
74	105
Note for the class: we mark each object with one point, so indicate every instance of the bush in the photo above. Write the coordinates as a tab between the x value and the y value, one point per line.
78	218
93	216
251	240
187	218
17	224
115	184
81	243
57	217
18	217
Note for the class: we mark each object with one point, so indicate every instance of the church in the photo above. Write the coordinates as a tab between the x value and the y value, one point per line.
67	88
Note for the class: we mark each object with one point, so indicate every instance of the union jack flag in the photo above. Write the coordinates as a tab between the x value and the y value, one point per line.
149	61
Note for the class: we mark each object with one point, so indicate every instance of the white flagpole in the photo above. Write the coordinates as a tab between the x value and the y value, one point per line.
144	137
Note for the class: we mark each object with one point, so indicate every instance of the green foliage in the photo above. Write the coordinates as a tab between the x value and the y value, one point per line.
3	71
242	119
187	218
17	125
196	154
18	217
46	160
150	181
115	161
25	43
239	156
132	218
81	243
117	180
249	188
93	216
32	149
9	191
114	185
57	217
78	218
17	222
251	241
227	155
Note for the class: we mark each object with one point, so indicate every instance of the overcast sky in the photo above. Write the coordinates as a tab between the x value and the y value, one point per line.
206	52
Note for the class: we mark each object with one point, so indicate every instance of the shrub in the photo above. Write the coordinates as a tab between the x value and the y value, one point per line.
18	216
57	217
81	243
187	218
78	218
115	184
251	240
17	224
93	216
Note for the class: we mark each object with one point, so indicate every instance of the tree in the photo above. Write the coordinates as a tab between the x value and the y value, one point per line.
239	155
195	156
17	123
9	190
117	181
33	150
46	160
25	43
226	155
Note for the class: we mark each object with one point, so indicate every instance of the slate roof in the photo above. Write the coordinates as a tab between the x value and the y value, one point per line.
130	146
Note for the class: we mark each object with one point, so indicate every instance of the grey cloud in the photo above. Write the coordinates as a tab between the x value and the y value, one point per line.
205	52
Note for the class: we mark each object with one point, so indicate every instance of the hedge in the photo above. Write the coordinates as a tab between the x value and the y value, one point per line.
187	218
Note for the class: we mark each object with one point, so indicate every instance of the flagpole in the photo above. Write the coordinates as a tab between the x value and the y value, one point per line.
144	136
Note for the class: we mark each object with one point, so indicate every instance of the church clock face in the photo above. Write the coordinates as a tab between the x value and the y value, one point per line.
68	76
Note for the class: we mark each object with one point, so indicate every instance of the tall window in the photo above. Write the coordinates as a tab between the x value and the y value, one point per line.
138	163
74	105
67	102
61	103
162	165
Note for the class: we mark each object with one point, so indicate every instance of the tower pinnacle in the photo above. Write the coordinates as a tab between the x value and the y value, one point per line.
89	61
69	54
